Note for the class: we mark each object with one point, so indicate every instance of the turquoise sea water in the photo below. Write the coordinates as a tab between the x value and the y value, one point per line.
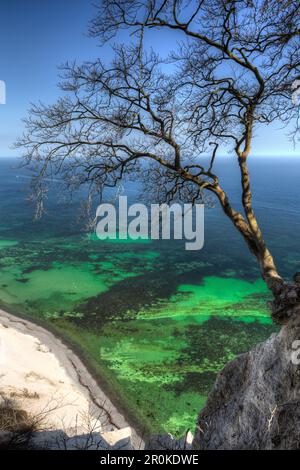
154	321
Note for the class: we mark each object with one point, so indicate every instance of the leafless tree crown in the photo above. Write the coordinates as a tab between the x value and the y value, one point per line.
230	71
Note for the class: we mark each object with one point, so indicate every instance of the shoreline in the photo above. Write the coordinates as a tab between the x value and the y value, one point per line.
77	370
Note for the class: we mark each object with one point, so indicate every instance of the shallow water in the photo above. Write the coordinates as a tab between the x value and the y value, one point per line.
156	322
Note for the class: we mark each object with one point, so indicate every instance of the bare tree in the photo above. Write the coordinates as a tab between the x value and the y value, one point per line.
155	119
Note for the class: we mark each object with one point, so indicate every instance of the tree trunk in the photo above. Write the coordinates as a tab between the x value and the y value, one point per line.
286	295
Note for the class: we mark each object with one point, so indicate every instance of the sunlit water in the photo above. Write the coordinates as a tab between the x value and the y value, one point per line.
155	322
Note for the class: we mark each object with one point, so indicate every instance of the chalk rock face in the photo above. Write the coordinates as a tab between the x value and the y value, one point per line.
255	402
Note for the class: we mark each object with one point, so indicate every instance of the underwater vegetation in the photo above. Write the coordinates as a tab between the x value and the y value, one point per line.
157	335
154	321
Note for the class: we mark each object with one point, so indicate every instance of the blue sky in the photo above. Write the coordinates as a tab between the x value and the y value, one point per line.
37	36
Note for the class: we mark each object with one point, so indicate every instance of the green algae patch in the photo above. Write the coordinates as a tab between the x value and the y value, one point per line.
118	240
7	243
167	363
153	323
51	279
163	370
61	285
218	296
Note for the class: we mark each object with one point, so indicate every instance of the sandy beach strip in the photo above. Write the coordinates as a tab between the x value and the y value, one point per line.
39	369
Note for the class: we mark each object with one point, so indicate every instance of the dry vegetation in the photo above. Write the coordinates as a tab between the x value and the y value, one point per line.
17	426
21	430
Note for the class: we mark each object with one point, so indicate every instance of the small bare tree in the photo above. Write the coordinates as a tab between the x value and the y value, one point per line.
155	119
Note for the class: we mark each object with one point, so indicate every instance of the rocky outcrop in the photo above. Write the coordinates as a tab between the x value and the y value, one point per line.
255	402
